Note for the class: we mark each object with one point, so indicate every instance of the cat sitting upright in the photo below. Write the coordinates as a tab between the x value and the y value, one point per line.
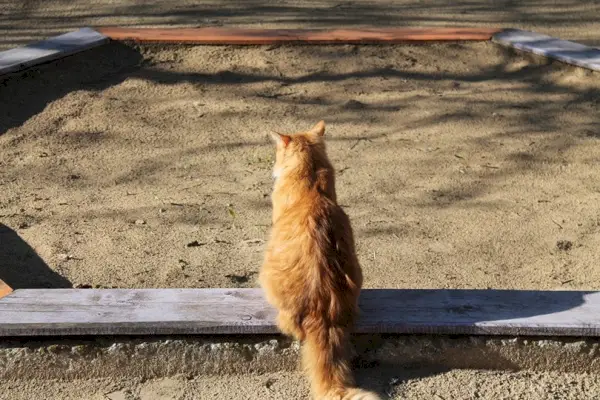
310	272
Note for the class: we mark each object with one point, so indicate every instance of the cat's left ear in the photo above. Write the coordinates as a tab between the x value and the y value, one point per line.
281	138
318	129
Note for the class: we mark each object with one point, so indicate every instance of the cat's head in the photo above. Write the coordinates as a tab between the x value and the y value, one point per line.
297	150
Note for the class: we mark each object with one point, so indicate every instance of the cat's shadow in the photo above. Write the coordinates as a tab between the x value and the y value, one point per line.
384	378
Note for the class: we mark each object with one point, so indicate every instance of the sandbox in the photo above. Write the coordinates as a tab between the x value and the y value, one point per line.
462	165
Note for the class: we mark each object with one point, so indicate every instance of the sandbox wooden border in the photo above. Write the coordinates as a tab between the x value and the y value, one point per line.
245	36
65	312
59	312
18	59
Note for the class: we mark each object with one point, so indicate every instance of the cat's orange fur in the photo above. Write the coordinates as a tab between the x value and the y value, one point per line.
311	273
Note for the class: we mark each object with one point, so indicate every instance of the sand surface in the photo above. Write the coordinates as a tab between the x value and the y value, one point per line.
461	166
410	385
22	21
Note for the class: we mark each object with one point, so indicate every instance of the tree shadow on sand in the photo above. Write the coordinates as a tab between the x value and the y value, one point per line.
26	93
54	19
22	268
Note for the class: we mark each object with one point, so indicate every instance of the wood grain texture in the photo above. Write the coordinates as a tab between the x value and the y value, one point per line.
547	46
14	60
4	289
244	36
39	312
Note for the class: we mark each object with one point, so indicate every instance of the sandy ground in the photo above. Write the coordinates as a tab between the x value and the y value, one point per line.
22	21
412	385
461	166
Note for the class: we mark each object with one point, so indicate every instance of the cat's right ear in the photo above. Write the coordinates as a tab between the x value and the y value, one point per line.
318	129
279	138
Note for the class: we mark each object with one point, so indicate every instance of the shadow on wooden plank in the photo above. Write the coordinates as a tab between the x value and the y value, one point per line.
21	267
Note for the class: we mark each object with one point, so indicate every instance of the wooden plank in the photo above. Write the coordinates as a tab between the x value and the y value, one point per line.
245	36
562	50
5	290
14	60
35	312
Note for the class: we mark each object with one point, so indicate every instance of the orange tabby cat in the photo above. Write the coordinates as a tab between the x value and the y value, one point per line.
311	273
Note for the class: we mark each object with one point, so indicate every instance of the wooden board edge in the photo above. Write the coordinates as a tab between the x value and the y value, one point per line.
28	62
529	48
5	290
176	329
253	36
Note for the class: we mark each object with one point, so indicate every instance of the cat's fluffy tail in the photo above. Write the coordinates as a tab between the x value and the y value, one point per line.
325	358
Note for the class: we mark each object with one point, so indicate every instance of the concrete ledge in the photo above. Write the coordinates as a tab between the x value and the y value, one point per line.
14	60
547	46
144	357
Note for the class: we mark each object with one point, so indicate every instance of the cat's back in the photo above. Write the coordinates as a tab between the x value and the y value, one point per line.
318	226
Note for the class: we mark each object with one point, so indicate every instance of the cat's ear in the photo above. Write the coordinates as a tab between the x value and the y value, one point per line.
318	129
281	138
